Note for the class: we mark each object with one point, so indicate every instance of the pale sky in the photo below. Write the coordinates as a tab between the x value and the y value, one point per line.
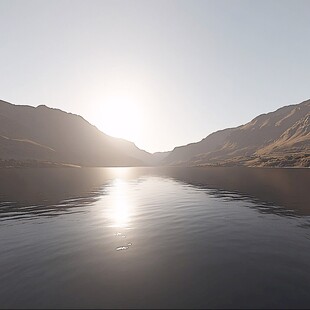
158	73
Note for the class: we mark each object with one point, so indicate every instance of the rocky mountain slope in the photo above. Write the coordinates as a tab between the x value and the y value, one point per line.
279	138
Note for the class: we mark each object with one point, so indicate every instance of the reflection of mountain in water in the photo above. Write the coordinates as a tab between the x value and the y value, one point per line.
20	211
287	188
48	191
38	192
254	203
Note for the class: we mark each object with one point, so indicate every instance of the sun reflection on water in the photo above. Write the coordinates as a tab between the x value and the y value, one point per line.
120	208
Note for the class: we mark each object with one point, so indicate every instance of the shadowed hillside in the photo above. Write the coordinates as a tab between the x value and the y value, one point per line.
280	138
45	134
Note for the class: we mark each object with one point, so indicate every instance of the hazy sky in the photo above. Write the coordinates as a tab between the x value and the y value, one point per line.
159	73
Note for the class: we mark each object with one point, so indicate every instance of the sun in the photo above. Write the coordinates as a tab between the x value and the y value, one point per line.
120	117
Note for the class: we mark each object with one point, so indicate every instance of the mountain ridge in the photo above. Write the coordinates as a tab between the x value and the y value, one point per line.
248	143
50	135
73	139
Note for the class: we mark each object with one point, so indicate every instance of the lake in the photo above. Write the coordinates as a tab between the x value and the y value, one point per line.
155	238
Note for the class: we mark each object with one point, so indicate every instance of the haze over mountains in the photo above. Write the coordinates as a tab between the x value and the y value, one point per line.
42	134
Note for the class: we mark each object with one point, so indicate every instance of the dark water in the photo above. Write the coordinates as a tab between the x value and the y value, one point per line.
155	238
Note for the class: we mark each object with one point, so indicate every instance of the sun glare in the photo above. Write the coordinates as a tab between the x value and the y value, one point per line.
120	207
120	118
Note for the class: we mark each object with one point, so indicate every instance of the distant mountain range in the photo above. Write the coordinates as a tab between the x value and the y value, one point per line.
44	136
276	139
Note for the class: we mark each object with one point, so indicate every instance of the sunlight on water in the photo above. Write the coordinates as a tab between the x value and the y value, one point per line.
162	238
120	207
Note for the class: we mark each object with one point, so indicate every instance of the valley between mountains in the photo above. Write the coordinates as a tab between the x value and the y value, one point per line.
46	137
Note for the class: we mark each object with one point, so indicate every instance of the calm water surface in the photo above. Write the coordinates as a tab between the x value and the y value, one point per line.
155	238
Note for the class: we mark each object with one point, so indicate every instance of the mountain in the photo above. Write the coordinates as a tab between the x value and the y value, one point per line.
43	136
158	157
51	135
279	138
